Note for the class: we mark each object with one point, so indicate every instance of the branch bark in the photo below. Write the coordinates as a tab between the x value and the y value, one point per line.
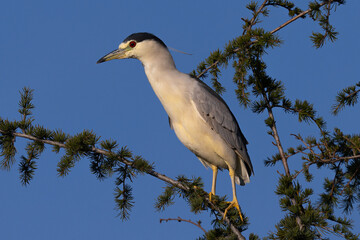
253	19
282	155
207	69
294	18
342	104
179	219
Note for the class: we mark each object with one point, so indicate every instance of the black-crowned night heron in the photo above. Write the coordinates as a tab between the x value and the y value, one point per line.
199	116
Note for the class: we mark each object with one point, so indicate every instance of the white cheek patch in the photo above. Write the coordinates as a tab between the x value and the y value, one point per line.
123	45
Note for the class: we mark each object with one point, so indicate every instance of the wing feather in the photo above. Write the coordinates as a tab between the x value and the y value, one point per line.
217	114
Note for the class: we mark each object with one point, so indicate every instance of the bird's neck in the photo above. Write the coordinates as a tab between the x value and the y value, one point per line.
166	81
158	62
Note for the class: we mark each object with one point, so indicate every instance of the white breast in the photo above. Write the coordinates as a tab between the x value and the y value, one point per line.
174	89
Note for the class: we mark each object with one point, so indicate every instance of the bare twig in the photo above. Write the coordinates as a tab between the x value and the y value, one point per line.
179	219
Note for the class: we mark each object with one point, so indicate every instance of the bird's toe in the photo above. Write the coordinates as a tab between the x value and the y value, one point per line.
234	203
211	195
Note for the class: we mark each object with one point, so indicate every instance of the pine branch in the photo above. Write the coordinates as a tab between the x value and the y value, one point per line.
131	163
198	224
207	69
352	177
347	96
253	19
271	93
294	19
318	158
251	23
283	159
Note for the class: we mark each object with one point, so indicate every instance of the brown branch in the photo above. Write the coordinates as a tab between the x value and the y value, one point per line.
294	110
342	104
150	172
307	166
183	220
328	230
208	68
352	142
251	23
306	145
334	181
272	32
101	151
293	19
253	19
282	154
352	177
334	159
278	142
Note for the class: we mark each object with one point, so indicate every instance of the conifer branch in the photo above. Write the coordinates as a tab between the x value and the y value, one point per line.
302	170
334	158
251	23
283	159
337	108
278	143
179	219
104	152
352	177
328	230
347	96
253	19
294	19
148	171
207	69
337	159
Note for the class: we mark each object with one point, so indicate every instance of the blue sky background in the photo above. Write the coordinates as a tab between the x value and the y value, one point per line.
53	46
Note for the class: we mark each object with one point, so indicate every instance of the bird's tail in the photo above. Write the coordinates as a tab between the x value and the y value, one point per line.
241	174
244	169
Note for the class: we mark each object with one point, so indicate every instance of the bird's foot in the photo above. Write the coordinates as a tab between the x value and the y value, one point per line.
210	196
234	203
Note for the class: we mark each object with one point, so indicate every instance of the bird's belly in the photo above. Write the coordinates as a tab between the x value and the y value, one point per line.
189	126
199	138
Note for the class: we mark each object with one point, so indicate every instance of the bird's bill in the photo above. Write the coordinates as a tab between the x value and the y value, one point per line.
116	54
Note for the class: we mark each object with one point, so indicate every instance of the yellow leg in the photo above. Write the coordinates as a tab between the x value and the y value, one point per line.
234	202
213	187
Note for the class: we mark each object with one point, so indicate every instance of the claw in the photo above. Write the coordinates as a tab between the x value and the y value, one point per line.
234	203
210	196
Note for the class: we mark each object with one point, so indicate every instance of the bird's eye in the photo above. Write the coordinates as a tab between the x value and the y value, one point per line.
132	44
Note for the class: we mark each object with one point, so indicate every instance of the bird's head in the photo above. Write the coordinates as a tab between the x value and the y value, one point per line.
137	45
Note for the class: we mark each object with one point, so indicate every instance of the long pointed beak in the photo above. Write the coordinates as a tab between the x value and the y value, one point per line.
116	54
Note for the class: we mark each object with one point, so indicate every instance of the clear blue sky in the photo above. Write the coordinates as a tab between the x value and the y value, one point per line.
53	46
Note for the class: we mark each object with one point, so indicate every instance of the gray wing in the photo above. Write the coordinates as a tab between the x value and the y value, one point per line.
217	114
